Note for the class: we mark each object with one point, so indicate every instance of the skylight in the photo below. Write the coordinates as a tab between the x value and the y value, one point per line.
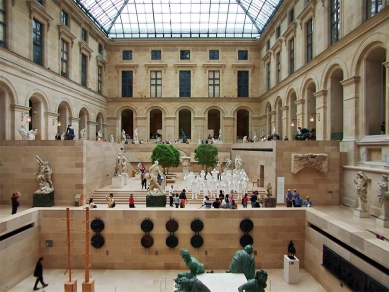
180	18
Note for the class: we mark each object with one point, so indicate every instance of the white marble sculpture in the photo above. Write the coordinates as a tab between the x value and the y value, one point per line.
245	139
155	189
100	136
136	139
383	198
269	189
27	134
228	164
111	139
220	135
255	138
43	176
123	164
83	134
118	165
238	163
185	162
124	138
361	190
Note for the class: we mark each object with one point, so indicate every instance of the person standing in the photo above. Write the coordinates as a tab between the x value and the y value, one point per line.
253	200
131	201
171	196
295	193
38	273
298	201
245	200
176	200
111	201
289	199
15	203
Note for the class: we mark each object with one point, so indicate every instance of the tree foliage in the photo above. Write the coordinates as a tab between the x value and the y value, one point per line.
167	156
206	154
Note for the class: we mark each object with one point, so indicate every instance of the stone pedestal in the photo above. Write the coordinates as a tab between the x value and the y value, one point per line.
291	270
43	200
269	202
222	281
70	286
185	161
88	286
117	182
361	213
382	222
155	201
125	178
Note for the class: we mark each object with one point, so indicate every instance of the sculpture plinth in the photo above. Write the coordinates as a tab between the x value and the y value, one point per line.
291	270
361	213
185	161
125	178
269	202
155	201
43	200
117	182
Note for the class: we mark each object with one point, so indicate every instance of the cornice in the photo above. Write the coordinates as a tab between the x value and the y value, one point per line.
249	67
308	11
185	66
39	12
220	66
150	66
64	32
126	66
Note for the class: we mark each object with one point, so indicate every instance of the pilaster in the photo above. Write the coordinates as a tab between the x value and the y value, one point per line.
350	108
321	118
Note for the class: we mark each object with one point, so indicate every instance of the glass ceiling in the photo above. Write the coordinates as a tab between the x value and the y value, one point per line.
180	18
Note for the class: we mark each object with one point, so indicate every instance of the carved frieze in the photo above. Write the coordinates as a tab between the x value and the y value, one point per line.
317	161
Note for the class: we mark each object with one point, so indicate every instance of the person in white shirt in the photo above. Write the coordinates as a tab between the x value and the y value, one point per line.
171	196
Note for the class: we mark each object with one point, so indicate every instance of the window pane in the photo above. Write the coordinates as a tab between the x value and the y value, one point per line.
184	55
185	83
214	54
156	55
243	83
242	55
127	55
127	83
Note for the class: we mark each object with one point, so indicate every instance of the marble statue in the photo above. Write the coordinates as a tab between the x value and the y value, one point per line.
136	138
361	190
190	285
269	189
27	134
44	177
124	137
100	136
193	265
123	163
228	164
245	139
183	136
63	136
111	139
32	134
220	135
255	138
69	133
118	165
383	197
238	163
155	189
83	134
258	284
243	262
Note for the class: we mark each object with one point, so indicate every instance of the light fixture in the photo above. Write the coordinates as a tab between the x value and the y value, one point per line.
58	122
312	118
292	122
28	117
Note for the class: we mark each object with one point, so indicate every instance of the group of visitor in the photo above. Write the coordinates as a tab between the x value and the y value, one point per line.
294	199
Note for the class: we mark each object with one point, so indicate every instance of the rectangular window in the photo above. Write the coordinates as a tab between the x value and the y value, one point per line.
185	83
243	83
40	2
278	68
291	56
213	83
278	32
2	23
214	54
127	55
64	58
268	76
373	7
100	49
83	69
127	82
309	40
37	41
291	16
64	18
84	35
156	55
243	55
99	79
155	83
335	23
184	55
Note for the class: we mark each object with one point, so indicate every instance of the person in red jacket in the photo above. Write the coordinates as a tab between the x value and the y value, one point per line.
131	201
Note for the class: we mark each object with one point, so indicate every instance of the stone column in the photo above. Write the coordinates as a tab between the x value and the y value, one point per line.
321	117
229	130
350	108
141	125
91	130
273	115
75	122
198	129
300	114
169	132
20	114
52	123
285	121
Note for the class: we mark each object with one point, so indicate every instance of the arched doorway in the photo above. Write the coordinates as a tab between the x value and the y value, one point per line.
64	115
294	122
375	91
128	122
213	123
242	123
37	114
185	123
336	107
155	123
83	115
